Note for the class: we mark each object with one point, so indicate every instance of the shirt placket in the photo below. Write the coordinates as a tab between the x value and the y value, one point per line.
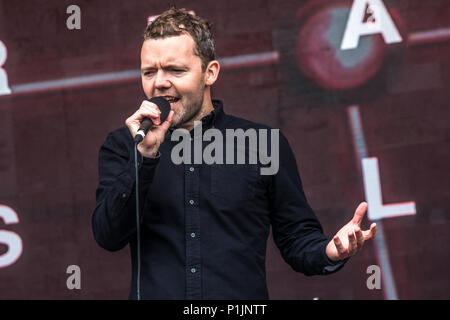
192	232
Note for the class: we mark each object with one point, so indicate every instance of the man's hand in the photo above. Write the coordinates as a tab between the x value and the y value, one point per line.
350	239
150	145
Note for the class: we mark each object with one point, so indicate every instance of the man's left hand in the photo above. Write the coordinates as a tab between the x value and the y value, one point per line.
350	239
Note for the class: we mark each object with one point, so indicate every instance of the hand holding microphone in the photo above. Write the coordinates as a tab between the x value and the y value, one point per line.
149	124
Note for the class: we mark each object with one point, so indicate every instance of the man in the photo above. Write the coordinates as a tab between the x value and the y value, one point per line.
203	226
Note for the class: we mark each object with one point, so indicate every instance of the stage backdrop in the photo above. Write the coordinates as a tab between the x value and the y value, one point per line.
360	88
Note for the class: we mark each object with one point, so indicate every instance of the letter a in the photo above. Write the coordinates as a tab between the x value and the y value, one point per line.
356	27
74	20
374	281
74	281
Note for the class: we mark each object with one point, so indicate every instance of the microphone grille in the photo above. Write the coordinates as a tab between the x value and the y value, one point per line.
163	105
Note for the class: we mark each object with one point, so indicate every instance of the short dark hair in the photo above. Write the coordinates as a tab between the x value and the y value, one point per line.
175	22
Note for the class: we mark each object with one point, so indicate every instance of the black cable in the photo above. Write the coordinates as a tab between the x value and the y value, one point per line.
138	229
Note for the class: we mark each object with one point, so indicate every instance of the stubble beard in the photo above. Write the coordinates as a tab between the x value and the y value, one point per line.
191	111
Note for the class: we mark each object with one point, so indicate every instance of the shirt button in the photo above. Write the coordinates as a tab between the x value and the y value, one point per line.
191	169
191	201
193	270
124	195
192	235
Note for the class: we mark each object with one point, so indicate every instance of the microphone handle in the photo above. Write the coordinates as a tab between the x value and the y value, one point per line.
146	125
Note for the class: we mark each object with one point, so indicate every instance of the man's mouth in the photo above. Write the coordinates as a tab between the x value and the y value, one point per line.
172	100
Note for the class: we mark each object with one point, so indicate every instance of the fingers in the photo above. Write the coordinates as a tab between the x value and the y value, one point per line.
353	245
166	124
160	130
356	241
359	213
373	230
149	146
359	238
147	109
342	252
350	239
369	234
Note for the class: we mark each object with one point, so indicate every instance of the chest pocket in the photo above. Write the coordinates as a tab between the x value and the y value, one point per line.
232	186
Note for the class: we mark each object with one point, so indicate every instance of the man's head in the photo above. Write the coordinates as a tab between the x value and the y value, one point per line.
178	62
175	22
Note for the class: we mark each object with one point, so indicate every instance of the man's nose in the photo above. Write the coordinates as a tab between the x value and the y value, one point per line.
161	80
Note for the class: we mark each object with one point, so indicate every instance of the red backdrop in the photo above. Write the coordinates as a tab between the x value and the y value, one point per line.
292	79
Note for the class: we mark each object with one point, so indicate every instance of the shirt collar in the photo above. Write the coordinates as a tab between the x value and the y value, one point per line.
215	116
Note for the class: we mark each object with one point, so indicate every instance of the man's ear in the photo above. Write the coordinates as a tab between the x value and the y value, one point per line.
212	72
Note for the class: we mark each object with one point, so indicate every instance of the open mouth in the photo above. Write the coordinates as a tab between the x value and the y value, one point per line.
171	99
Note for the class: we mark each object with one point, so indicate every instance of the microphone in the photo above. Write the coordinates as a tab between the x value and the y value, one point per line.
147	124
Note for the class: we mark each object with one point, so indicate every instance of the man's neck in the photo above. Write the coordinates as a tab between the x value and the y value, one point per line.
203	112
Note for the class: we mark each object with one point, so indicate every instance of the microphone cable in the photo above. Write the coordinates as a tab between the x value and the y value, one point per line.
138	226
146	124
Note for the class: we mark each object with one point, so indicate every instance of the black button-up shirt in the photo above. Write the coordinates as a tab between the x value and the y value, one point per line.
204	228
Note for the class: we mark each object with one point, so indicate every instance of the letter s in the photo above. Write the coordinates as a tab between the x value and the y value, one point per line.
4	88
11	239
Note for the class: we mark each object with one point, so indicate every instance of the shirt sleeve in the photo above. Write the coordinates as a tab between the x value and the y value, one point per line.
296	230
114	217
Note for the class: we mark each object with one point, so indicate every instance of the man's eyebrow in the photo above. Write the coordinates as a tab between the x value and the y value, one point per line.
167	66
175	66
148	68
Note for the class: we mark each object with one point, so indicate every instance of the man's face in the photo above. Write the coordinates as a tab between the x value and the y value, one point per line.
169	68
